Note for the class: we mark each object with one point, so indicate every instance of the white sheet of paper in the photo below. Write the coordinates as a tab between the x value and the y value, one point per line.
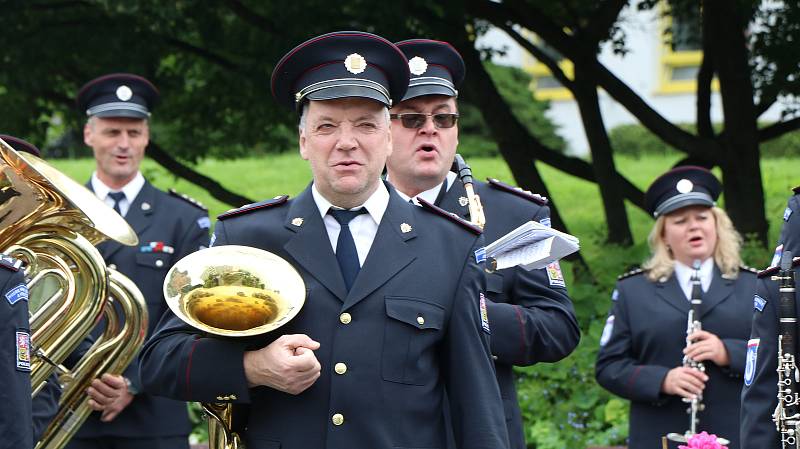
531	246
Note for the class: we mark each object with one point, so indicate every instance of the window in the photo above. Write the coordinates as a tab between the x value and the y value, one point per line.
681	52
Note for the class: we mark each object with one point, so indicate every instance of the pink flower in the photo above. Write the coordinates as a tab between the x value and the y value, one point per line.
703	440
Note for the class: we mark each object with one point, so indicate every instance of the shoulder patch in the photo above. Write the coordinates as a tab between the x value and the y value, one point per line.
277	201
188	199
630	273
747	268
535	197
796	190
450	216
775	268
10	263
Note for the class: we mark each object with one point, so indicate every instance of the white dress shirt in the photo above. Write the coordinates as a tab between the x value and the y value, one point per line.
130	190
430	194
363	227
684	273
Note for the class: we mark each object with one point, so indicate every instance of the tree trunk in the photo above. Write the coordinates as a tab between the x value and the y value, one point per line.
741	170
619	231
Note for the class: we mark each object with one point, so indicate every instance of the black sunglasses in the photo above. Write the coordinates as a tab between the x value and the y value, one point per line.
415	120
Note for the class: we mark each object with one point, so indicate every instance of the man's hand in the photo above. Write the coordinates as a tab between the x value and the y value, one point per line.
287	364
684	382
707	346
109	394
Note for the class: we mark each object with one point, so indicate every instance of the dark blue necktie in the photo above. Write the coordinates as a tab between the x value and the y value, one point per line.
117	197
346	252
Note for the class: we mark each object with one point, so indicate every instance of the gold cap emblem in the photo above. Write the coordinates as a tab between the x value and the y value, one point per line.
405	228
463	201
417	65
355	63
297	221
124	93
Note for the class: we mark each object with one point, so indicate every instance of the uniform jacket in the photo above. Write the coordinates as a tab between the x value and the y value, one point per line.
759	393
646	341
790	232
157	217
15	394
531	315
391	395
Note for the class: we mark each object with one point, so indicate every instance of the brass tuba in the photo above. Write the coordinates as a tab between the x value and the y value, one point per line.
244	292
52	223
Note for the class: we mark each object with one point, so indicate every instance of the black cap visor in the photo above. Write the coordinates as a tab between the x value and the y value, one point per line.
429	89
684	200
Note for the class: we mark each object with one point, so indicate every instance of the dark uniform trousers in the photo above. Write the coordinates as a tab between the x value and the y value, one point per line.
531	316
168	228
408	329
647	340
16	430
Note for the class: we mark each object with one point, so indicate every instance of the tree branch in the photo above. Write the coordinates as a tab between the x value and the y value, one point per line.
778	129
250	16
603	19
201	52
704	77
184	171
540	56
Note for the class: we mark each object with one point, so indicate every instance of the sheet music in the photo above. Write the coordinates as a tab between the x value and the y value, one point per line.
531	246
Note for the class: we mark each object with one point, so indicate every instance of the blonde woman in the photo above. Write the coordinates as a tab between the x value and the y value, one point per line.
644	341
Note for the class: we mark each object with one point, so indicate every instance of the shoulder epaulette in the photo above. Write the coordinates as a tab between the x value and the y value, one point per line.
775	268
527	194
10	263
277	201
630	273
188	199
451	216
796	190
748	268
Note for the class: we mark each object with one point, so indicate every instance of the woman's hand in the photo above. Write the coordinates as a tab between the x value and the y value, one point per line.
707	346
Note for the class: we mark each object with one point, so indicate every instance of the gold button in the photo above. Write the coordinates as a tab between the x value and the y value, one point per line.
159	263
340	368
112	266
219	398
338	419
420	320
233	397
345	318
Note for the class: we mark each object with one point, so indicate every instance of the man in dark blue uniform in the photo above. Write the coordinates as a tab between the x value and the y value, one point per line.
760	391
393	314
15	349
169	226
531	315
45	405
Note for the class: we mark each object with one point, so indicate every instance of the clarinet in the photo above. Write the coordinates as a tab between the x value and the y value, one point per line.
693	325
786	417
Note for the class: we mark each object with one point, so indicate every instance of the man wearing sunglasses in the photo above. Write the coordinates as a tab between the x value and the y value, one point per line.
530	314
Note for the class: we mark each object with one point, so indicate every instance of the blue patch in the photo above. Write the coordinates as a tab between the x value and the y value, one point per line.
545	222
484	315
480	255
759	303
23	338
204	222
16	294
615	295
213	239
776	258
787	213
752	356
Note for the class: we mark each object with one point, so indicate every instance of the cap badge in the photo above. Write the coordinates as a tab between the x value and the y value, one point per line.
405	228
463	201
297	221
355	63
417	65
684	186
124	93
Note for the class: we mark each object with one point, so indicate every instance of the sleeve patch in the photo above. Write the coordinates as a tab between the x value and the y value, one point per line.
16	294
615	295
480	255
213	239
23	338
752	358
554	275
787	213
204	222
776	257
607	330
759	303
484	315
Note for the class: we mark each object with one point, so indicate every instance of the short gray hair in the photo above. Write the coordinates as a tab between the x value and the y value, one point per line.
301	125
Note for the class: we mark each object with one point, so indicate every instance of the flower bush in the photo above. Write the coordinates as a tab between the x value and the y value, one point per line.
703	440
